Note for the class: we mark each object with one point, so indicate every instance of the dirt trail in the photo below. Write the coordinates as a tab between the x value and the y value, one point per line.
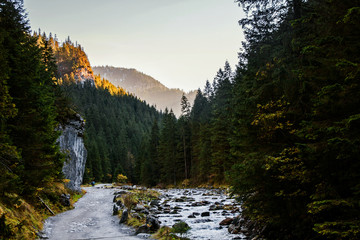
91	219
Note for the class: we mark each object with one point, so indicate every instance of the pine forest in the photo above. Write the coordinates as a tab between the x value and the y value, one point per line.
281	130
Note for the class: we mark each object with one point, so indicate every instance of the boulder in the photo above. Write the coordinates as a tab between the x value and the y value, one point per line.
216	207
155	202
203	220
65	199
179	200
153	223
205	214
124	216
136	215
174	212
245	226
116	209
120	204
226	221
142	229
233	229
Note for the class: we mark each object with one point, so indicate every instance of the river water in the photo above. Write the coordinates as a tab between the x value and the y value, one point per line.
196	203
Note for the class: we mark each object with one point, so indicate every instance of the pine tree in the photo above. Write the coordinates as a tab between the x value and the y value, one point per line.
168	143
221	124
30	80
184	125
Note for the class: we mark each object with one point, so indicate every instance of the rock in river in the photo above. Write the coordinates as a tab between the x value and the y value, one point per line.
124	216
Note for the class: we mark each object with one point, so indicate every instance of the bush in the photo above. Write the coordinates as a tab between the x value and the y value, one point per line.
121	178
129	201
180	227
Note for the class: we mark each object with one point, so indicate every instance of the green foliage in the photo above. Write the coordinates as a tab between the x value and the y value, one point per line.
29	155
180	227
115	126
116	122
285	130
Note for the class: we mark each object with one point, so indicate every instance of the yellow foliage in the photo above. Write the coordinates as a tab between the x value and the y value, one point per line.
66	181
272	117
185	183
121	178
105	84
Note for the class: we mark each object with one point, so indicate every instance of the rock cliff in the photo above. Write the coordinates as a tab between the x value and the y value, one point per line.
72	144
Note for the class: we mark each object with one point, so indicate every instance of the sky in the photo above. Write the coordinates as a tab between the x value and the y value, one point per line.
181	43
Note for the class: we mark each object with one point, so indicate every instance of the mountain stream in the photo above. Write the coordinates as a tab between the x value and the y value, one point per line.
201	209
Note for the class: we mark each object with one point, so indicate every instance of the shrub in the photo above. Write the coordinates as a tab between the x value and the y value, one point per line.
180	227
121	178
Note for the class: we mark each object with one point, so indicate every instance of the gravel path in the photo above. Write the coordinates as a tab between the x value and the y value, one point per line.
91	219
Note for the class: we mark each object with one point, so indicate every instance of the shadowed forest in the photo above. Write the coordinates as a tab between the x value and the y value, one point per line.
281	129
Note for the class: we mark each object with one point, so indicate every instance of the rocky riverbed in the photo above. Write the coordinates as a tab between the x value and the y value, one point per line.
202	209
210	213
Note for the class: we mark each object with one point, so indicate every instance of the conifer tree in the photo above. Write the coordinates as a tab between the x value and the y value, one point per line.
30	75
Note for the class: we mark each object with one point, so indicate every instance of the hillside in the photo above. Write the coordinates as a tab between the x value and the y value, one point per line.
116	122
145	87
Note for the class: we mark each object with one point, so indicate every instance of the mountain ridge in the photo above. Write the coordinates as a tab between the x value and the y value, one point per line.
145	87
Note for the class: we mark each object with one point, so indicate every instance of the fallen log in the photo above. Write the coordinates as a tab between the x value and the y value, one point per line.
47	207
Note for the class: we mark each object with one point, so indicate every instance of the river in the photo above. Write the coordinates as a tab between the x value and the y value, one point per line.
202	209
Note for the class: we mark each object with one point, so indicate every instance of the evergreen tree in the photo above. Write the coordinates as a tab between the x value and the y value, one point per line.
184	125
168	155
31	86
221	124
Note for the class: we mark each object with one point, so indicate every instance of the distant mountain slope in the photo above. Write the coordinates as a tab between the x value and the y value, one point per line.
145	87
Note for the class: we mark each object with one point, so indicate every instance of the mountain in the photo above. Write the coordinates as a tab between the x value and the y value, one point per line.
145	87
116	122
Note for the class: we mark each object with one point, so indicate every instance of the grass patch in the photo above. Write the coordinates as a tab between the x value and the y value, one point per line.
134	222
166	233
76	196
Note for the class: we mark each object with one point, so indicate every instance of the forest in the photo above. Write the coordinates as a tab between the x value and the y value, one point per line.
281	129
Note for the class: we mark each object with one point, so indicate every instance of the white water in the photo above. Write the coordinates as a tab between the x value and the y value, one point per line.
201	227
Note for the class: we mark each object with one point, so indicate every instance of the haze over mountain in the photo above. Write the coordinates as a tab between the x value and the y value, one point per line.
145	87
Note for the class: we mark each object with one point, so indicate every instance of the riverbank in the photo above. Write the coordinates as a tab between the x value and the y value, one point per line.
91	218
22	218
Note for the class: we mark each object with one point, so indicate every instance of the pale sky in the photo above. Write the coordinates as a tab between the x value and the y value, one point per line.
181	43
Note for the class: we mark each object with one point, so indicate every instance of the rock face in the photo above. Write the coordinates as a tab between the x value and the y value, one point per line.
72	144
83	75
246	226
